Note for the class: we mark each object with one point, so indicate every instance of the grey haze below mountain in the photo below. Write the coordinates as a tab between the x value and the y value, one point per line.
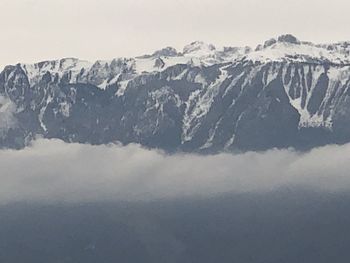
284	93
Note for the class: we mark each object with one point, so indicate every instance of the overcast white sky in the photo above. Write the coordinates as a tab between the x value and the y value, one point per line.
34	30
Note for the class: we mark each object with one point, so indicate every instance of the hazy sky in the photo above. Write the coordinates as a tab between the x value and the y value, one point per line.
34	30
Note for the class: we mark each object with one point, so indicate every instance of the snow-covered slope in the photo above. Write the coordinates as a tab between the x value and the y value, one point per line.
288	48
101	73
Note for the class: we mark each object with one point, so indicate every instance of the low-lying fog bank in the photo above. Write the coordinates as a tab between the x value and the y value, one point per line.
51	170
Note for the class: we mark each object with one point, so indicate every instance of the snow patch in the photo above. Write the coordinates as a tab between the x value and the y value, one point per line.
202	106
7	117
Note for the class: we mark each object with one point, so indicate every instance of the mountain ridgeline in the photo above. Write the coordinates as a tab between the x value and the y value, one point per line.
284	93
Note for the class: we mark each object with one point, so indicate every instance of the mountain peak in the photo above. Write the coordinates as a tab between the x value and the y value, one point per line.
164	52
198	47
288	38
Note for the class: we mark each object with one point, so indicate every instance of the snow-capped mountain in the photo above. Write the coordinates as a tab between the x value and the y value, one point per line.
288	48
284	93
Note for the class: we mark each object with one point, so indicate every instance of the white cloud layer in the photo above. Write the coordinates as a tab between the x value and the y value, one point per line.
51	170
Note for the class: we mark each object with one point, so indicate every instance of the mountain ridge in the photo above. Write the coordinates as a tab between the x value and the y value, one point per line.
285	93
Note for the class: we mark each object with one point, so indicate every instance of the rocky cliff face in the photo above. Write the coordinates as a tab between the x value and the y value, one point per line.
285	93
